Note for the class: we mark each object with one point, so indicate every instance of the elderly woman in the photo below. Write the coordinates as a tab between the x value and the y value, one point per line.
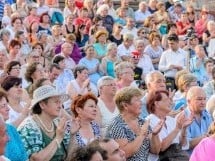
154	49
145	61
81	84
14	144
101	43
124	74
91	63
132	133
106	104
4	37
185	82
109	61
42	137
204	150
107	20
85	110
19	109
173	134
34	71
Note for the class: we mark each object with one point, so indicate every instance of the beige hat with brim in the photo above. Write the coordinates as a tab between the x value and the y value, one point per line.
45	92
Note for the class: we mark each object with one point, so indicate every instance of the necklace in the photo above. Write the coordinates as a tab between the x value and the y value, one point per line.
44	126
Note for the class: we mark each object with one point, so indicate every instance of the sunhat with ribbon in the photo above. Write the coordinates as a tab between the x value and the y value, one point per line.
45	92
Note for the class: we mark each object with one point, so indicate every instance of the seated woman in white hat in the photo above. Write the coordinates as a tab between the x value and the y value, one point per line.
43	139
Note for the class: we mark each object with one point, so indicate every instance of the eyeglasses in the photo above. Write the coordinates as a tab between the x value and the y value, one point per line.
18	68
110	85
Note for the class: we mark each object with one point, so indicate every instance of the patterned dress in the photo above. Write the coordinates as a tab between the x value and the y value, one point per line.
118	129
33	138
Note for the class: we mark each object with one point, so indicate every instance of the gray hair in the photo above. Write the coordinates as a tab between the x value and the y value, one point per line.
119	68
138	41
103	80
111	45
3	32
151	75
101	8
128	36
193	91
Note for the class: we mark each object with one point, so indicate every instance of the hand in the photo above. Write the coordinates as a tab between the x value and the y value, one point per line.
172	67
25	110
183	121
86	83
61	129
171	93
75	126
158	127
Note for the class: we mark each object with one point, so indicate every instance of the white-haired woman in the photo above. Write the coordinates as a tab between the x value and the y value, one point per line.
108	62
107	20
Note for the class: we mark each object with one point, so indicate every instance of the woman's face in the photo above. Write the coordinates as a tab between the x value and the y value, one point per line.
156	41
52	107
70	3
140	47
33	12
39	73
17	24
44	37
62	64
83	75
15	91
102	38
15	50
134	107
4	109
6	37
89	110
70	19
38	49
15	70
90	52
164	105
46	19
127	75
113	51
96	157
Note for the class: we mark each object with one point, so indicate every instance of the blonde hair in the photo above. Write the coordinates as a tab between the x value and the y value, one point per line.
185	80
125	95
119	68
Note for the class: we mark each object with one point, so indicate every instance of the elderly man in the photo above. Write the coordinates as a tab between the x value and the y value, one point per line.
142	13
66	50
129	10
114	153
3	138
154	81
106	104
197	130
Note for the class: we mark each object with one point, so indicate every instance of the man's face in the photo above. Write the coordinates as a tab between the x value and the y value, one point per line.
3	137
113	151
54	74
158	83
173	45
198	102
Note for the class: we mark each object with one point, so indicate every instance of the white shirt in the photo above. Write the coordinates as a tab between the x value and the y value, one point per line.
170	57
70	63
133	31
123	51
165	131
42	9
145	63
106	115
141	16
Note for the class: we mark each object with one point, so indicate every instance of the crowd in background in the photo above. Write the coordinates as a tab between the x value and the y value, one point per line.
94	82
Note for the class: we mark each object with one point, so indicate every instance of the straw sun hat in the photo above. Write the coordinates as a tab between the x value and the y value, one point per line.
45	92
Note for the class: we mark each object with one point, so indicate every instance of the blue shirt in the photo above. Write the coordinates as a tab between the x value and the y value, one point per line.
144	112
198	127
14	150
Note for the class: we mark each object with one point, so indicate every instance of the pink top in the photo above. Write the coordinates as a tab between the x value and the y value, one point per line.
200	27
204	151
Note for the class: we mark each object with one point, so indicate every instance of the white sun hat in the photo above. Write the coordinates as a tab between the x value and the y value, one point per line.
45	92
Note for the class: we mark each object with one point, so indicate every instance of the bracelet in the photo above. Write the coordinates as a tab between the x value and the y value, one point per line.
58	143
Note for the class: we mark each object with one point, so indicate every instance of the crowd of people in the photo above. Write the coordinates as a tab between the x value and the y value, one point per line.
94	82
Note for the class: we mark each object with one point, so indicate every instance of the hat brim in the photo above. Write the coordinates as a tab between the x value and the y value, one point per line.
63	97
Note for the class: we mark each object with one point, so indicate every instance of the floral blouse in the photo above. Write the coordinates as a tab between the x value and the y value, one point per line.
32	137
82	141
118	129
